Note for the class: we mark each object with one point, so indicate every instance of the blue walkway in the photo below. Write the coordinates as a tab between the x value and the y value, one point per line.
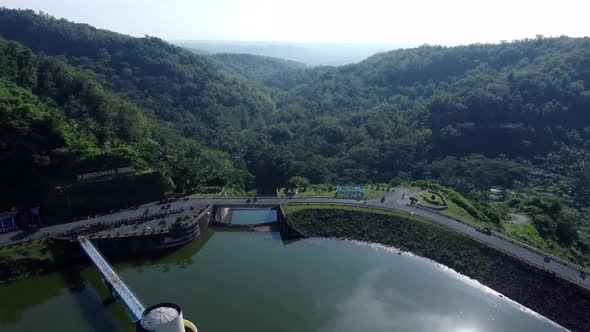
133	305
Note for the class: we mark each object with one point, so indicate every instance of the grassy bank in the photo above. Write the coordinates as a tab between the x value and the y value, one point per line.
539	290
395	229
24	259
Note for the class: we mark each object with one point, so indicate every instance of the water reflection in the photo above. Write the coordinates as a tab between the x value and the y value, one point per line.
245	281
251	217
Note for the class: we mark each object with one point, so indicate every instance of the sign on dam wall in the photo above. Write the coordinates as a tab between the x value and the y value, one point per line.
104	174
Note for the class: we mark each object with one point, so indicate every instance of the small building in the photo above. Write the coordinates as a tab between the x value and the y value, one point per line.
7	222
350	192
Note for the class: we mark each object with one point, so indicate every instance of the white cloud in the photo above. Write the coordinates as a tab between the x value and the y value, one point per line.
369	304
448	22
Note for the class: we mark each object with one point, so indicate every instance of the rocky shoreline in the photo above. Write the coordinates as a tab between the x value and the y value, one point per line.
543	292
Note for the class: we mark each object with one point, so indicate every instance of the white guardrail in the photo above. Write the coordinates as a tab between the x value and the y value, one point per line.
518	243
497	234
541	252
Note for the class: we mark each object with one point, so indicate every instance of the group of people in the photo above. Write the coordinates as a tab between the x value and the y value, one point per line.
106	225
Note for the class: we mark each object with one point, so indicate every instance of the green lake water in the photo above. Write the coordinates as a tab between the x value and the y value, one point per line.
250	217
253	282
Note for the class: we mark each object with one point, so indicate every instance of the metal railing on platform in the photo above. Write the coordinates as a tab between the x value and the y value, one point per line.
133	305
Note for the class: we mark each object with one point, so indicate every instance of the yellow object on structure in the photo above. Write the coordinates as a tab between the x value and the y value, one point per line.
189	327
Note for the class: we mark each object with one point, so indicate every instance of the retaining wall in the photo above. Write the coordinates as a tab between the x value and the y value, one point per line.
138	242
287	230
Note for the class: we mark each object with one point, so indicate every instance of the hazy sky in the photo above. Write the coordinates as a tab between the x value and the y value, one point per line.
447	22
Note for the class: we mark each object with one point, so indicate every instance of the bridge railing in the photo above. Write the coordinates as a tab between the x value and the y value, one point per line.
541	252
133	305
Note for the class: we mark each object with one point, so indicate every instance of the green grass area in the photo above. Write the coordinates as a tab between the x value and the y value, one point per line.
431	198
373	193
33	257
528	234
425	203
325	191
295	207
456	212
453	210
36	249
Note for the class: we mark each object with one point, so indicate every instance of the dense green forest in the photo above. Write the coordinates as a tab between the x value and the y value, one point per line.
264	70
57	121
516	101
173	83
512	115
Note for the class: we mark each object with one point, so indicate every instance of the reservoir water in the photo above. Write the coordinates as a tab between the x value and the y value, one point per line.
250	217
254	282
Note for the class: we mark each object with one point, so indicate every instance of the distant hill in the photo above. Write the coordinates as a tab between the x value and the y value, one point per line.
315	54
177	85
258	68
525	100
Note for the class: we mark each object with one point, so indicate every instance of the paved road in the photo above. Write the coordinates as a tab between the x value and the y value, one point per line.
54	230
392	202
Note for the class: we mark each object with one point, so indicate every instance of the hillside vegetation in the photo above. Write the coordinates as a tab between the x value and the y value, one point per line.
57	121
511	116
175	84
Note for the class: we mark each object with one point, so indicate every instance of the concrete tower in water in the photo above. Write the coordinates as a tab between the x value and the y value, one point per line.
164	317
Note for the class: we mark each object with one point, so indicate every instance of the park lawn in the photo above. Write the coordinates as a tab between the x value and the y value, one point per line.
456	212
453	210
313	191
373	193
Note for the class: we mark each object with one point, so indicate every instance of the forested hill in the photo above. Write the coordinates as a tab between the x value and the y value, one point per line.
522	100
470	117
175	84
258	68
57	122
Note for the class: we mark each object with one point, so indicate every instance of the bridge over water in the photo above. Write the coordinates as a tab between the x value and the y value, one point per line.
133	305
135	308
391	202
